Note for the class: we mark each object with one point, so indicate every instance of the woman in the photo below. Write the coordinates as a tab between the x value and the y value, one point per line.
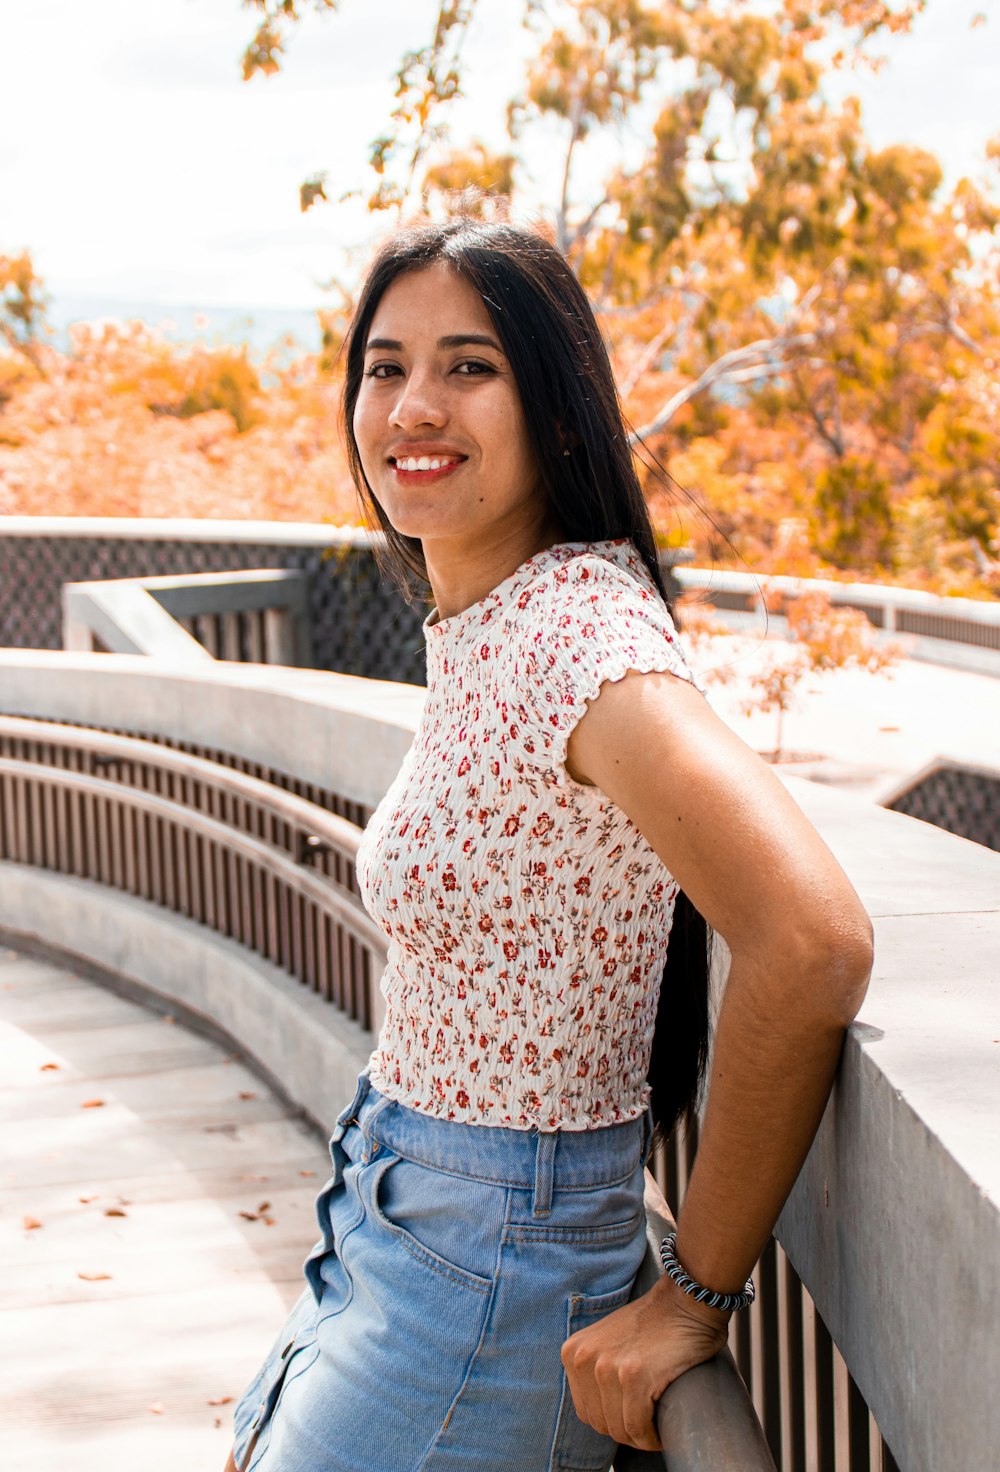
568	795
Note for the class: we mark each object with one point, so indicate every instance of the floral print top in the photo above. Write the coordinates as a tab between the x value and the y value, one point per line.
527	917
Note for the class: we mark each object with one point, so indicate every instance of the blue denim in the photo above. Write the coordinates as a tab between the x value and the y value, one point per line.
454	1261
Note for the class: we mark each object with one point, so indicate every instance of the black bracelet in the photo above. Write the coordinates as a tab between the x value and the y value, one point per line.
687	1284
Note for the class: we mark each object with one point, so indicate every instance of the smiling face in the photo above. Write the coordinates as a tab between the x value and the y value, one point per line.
439	424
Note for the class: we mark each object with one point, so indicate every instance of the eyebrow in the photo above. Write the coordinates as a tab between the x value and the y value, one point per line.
457	340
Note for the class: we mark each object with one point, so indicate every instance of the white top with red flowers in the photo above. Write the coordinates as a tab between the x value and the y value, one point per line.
527	917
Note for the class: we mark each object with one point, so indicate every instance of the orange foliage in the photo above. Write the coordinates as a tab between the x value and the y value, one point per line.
126	424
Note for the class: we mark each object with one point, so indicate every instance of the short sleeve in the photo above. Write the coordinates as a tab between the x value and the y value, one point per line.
585	622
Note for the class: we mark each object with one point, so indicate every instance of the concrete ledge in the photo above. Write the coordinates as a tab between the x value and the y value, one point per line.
310	1051
342	733
188	529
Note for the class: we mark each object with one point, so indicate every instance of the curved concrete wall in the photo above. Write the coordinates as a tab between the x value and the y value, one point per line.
894	1223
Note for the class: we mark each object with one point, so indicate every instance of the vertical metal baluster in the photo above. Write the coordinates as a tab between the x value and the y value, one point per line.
339	964
223	899
285	925
128	825
117	858
171	831
144	876
50	839
355	1012
206	882
103	839
368	984
889	1463
323	953
767	1293
792	1385
740	1345
36	842
271	938
181	833
240	909
232	882
246	901
75	813
155	858
296	938
826	1434
8	787
92	862
309	909
859	1456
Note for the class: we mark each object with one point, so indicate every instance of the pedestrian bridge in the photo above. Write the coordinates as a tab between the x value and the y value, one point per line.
186	833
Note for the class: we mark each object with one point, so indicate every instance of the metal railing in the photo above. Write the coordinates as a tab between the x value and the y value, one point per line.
250	860
258	616
965	631
706	1420
813	1415
962	797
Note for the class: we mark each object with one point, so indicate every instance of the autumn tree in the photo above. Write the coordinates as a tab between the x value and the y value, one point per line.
806	327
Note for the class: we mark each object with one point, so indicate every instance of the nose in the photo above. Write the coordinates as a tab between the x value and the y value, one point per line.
419	401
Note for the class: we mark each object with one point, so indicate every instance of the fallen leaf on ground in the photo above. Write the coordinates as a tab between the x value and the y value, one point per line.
86	1200
114	1211
168	1017
307	1172
219	1400
49	1067
157	1408
31	1223
249	1216
247	1094
94	1277
263	1206
92	1104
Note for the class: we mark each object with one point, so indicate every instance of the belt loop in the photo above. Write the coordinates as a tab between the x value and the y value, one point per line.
545	1156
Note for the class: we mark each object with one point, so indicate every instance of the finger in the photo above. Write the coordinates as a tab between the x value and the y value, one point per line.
640	1426
627	1406
583	1388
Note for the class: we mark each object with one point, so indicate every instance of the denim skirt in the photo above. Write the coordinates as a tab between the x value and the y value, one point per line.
454	1262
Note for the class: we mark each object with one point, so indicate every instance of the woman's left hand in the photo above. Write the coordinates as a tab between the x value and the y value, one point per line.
619	1367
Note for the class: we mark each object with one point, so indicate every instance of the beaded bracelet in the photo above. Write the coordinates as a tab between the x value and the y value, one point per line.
687	1284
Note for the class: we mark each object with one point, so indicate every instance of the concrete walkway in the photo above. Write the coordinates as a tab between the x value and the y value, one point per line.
143	1276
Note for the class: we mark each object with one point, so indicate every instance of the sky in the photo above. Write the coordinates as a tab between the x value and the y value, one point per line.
135	164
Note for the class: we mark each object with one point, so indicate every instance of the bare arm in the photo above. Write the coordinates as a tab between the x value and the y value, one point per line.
753	865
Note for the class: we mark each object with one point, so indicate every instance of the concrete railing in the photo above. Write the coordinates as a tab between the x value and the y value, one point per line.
962	632
878	1302
258	616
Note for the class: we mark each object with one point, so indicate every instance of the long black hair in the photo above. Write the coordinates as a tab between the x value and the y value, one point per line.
568	397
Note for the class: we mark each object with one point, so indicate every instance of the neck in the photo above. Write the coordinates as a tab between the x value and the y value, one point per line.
461	574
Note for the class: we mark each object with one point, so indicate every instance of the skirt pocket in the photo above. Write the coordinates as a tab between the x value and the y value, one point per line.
439	1219
578	1447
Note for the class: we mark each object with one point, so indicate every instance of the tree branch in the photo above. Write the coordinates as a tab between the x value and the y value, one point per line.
753	360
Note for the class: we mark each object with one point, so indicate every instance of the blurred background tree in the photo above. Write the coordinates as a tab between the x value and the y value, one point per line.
803	326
